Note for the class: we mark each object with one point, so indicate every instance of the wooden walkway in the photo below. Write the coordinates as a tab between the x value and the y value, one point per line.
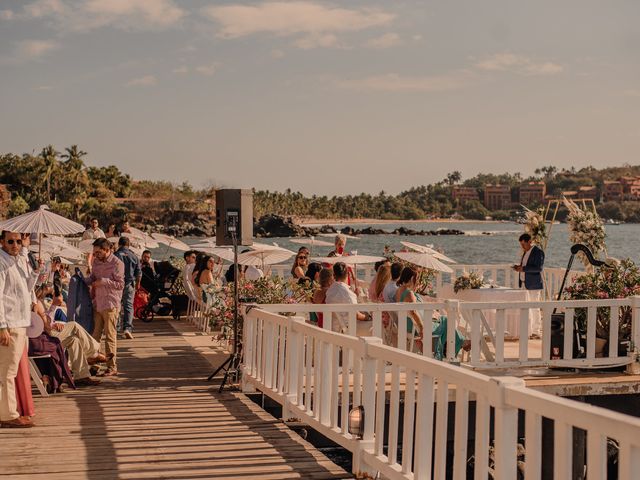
158	419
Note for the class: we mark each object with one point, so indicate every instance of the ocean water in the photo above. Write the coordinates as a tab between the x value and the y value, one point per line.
483	242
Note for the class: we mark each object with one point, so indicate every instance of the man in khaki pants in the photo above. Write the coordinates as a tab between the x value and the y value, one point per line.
107	279
15	317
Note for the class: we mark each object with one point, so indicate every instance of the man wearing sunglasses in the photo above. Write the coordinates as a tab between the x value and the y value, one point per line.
15	317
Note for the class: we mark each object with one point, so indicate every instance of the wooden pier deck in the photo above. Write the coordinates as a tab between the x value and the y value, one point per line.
158	419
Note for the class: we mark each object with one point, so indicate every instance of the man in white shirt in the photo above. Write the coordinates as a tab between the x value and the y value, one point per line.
15	317
187	273
93	231
339	292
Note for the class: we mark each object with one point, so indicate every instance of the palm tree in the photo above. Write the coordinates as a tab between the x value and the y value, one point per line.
76	176
49	156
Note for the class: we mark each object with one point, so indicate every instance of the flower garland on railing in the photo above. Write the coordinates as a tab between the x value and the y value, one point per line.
586	227
265	290
535	225
468	281
619	280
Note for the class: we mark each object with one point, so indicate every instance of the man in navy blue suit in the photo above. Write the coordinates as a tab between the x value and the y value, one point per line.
530	268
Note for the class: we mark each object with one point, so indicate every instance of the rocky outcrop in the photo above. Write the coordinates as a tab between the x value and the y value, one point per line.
277	226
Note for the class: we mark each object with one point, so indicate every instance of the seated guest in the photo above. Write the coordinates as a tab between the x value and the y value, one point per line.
300	264
203	276
187	271
112	231
340	293
149	280
374	295
325	278
82	349
389	292
55	370
312	274
406	293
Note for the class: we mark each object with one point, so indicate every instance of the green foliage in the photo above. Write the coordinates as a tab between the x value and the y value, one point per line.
17	206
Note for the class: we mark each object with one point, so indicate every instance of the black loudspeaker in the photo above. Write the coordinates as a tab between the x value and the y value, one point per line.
234	215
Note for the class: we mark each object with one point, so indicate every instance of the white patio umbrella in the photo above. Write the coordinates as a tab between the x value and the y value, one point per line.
429	250
171	241
350	259
42	221
220	252
264	257
205	242
353	237
425	260
311	241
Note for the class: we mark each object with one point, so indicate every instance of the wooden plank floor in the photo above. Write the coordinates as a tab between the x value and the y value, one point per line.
158	419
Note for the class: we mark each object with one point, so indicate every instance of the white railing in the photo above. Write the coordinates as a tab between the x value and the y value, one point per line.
319	375
491	329
561	344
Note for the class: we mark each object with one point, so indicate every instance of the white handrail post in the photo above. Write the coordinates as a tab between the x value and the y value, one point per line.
635	322
453	316
506	428
292	367
369	404
248	352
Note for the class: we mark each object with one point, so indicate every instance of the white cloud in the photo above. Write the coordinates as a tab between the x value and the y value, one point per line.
308	42
387	40
84	15
181	70
6	14
33	49
146	81
207	70
394	82
519	64
293	18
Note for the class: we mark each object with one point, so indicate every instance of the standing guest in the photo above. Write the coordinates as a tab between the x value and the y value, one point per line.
389	292
406	293
339	242
339	292
190	263
149	275
93	232
15	317
530	269
132	276
112	231
300	265
107	279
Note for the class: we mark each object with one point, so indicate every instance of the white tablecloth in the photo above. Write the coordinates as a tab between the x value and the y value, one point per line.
500	294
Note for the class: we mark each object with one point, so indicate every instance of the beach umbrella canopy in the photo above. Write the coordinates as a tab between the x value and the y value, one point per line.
263	257
429	250
141	239
425	260
170	241
220	252
311	241
333	235
42	221
350	259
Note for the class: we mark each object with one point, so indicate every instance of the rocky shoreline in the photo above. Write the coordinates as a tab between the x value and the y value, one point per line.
270	226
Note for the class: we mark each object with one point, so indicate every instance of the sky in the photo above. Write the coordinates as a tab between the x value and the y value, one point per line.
323	97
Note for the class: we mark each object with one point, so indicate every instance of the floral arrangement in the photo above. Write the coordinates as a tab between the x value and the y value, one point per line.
620	280
468	281
267	290
535	225
586	227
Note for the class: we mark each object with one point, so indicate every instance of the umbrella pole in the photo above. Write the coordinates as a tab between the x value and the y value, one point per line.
39	246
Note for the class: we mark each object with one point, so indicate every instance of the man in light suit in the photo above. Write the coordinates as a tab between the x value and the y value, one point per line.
530	269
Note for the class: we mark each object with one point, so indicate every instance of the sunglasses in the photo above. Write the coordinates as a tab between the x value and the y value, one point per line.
12	241
302	258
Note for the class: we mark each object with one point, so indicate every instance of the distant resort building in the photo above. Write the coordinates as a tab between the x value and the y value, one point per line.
497	197
462	194
612	191
532	193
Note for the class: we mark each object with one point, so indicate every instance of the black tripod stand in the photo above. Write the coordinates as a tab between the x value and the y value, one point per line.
231	366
